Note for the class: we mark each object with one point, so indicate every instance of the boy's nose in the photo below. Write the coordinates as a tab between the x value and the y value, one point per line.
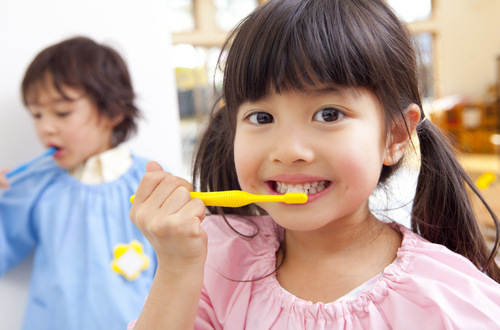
292	146
47	126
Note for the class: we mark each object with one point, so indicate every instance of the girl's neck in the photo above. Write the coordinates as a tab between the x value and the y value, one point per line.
349	233
324	265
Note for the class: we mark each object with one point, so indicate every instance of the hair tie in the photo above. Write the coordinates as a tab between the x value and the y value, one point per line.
425	118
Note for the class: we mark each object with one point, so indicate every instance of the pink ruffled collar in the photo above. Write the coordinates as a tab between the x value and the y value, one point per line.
339	309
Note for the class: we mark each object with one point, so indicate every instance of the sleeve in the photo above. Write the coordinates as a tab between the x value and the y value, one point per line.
17	230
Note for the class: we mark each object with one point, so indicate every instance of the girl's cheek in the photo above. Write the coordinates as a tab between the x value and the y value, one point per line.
246	164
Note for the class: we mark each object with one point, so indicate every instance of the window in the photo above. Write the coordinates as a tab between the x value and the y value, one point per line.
416	12
412	11
181	15
229	12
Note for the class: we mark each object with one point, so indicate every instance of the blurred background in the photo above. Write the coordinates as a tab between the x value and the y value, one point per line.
172	46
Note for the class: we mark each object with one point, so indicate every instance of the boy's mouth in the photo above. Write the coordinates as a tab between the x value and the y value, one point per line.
309	188
58	152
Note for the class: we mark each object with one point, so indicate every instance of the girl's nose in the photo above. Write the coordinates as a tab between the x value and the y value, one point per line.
292	146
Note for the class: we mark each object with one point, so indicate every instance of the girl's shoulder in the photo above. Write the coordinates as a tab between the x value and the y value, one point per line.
246	231
417	256
233	239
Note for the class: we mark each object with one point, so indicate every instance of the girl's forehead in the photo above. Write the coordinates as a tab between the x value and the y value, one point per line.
318	90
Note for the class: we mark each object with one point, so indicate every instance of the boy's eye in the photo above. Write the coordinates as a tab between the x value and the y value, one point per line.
63	114
328	115
36	115
260	118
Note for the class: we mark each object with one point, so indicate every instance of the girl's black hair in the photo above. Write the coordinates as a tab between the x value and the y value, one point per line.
95	69
295	44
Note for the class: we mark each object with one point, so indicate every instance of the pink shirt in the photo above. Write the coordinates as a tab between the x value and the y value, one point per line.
427	287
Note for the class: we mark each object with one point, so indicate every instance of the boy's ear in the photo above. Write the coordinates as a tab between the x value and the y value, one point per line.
117	120
400	135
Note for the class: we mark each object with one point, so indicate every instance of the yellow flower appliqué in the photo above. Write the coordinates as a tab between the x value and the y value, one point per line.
129	260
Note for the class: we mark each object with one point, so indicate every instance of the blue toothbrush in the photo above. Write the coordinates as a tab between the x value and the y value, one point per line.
24	166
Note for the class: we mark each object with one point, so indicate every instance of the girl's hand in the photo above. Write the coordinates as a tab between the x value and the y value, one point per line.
170	219
165	213
4	182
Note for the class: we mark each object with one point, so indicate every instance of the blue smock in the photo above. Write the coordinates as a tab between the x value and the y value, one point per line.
73	229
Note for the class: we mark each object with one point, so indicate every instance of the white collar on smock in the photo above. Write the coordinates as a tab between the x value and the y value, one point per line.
104	167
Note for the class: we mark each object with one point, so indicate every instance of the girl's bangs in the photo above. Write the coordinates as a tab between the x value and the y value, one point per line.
293	53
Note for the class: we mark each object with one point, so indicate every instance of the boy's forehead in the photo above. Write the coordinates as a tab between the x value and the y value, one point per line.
45	93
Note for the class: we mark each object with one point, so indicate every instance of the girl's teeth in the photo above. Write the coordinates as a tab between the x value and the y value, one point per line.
308	188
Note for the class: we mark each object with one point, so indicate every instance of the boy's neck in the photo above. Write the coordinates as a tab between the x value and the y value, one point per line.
104	167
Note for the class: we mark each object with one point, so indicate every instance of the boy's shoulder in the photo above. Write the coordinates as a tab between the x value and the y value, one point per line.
41	172
35	179
141	161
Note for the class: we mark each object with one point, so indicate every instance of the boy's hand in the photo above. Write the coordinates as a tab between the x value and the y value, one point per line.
4	182
170	219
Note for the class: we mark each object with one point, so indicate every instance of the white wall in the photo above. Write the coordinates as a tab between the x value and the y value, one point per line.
139	31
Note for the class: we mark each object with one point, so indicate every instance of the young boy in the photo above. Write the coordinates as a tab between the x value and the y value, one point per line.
92	267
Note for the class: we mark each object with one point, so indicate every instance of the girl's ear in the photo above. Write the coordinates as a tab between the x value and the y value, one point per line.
400	135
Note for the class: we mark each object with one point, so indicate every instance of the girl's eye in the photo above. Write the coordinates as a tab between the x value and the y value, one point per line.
328	115
37	115
260	118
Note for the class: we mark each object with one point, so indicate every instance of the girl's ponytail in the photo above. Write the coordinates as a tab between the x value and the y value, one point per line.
442	210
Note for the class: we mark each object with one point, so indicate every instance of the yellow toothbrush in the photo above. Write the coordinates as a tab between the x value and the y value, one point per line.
237	198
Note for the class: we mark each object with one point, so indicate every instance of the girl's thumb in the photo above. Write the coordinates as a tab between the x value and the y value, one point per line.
153	166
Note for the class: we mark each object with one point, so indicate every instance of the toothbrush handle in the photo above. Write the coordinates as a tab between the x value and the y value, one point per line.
17	170
24	166
231	198
234	198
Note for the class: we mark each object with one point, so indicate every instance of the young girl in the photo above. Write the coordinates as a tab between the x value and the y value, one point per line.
72	210
320	97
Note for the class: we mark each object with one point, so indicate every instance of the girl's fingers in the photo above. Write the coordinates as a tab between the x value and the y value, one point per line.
151	181
153	166
177	199
184	223
165	189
